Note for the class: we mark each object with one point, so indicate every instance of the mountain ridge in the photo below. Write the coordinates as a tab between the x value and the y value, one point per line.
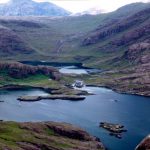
31	8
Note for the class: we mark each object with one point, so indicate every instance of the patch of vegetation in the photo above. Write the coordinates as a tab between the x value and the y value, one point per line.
49	131
11	133
38	80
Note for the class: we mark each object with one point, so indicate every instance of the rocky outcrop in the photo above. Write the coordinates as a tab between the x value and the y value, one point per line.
132	36
122	27
138	52
145	144
19	70
46	135
114	129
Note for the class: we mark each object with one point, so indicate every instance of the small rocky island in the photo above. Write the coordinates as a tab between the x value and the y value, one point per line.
114	129
51	97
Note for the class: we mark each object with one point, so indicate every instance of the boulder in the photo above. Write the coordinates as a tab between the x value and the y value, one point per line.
145	144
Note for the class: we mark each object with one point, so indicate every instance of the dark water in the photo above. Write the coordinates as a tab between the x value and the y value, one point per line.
75	68
55	64
131	111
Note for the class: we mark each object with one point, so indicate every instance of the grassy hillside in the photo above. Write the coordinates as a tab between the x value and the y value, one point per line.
45	136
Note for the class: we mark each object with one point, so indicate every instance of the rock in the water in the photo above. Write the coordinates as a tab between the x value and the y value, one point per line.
114	129
145	144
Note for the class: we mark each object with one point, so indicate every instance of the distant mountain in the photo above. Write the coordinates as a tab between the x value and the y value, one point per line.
31	8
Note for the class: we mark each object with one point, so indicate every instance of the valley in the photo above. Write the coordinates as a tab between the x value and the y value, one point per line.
42	55
121	50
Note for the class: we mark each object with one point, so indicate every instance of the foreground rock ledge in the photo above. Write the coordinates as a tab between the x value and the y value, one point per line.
51	97
47	136
145	144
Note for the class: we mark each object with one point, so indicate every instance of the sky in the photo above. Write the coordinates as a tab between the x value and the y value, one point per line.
76	6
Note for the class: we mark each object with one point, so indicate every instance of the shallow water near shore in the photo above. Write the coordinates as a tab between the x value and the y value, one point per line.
130	111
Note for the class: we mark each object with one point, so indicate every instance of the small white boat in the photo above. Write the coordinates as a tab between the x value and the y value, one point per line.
78	84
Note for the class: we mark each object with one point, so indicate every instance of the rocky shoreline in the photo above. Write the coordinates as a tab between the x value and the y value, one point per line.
119	90
46	135
53	136
51	90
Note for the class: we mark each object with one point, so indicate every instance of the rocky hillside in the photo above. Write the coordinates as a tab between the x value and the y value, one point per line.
31	8
12	44
46	136
125	41
19	70
132	29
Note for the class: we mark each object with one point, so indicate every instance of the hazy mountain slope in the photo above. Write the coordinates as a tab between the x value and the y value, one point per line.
129	10
31	8
11	44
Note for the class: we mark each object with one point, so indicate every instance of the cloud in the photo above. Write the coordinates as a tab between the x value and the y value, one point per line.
82	5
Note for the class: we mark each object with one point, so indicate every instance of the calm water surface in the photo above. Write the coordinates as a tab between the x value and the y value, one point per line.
73	69
131	111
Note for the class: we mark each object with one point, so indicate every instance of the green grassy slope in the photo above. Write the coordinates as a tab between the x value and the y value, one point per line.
45	136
